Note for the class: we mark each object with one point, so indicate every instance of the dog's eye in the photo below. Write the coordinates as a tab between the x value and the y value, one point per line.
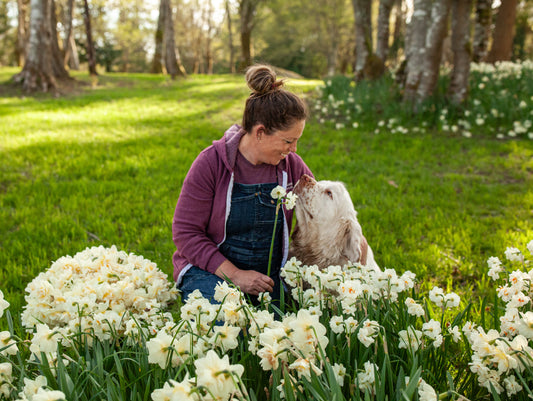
329	193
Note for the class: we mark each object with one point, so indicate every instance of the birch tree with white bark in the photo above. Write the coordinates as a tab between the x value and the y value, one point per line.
432	55
415	48
43	66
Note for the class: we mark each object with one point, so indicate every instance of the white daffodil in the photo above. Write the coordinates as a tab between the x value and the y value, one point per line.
340	373
217	375
278	192
452	300
455	333
290	200
426	392
159	348
495	267
436	295
304	367
175	391
410	339
7	344
44	340
3	304
514	254
226	336
413	308
431	329
32	386
366	379
48	395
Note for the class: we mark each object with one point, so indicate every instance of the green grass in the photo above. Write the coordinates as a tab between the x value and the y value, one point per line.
104	165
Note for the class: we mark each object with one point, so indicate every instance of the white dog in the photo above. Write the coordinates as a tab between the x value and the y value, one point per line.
327	231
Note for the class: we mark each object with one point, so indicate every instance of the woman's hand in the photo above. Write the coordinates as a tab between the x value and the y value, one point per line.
249	281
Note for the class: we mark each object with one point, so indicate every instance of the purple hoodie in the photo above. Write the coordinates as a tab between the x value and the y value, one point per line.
199	224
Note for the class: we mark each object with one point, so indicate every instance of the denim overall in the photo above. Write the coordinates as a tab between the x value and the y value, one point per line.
248	237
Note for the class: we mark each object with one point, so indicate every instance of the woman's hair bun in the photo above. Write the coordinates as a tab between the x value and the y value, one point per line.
261	79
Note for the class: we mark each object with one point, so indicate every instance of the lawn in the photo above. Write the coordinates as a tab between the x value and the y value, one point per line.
104	165
103	162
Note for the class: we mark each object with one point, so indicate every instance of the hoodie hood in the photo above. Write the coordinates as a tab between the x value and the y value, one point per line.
228	145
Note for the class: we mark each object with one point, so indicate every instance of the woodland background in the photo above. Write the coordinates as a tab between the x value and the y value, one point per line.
358	38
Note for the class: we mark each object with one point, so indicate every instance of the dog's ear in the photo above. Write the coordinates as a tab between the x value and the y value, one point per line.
349	240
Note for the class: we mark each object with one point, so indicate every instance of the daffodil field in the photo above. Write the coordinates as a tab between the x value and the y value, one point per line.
500	105
100	325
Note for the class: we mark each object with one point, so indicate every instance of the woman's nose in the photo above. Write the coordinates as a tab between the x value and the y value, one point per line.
293	147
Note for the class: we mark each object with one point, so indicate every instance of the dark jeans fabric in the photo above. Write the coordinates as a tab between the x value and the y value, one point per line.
248	237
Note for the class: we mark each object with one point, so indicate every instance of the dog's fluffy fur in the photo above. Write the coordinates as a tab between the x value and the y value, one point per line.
327	231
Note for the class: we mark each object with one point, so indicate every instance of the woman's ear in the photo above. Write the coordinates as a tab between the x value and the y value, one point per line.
258	130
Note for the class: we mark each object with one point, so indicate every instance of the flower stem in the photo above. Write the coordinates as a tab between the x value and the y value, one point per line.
273	237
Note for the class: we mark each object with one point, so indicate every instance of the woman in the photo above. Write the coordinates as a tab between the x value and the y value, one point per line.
225	215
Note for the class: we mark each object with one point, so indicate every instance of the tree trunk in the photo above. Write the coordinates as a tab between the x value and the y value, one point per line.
247	9
157	65
40	69
382	42
230	40
91	56
415	48
208	50
58	64
22	31
461	48
432	57
482	30
363	37
70	59
502	37
172	57
399	29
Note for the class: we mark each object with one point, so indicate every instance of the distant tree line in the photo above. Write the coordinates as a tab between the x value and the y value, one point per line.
361	38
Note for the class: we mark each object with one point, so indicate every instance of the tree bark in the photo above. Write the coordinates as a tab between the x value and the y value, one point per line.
461	48
22	31
504	30
416	48
91	56
363	37
208	50
382	41
399	29
57	57
157	65
432	56
482	30
40	69
70	59
172	57
230	40
247	10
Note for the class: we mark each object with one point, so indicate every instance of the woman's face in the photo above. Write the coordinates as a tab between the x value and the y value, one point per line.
275	147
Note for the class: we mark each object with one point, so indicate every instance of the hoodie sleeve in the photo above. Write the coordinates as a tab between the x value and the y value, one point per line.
192	214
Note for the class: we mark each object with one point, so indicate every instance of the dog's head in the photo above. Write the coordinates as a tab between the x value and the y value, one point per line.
325	213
